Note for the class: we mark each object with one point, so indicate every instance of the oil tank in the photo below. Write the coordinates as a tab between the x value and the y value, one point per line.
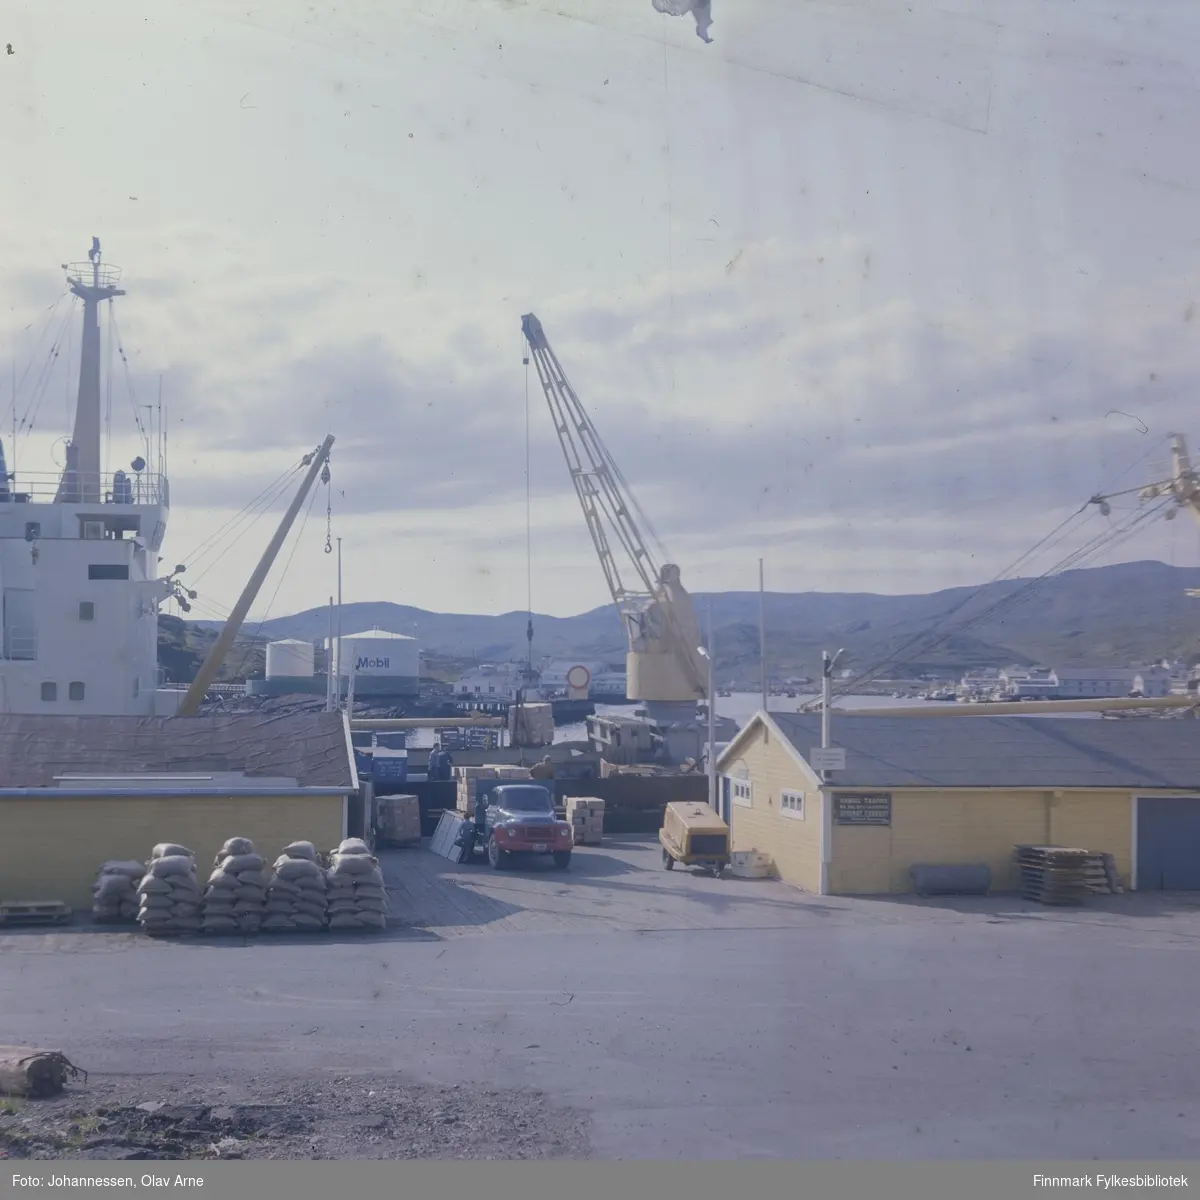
290	659
385	664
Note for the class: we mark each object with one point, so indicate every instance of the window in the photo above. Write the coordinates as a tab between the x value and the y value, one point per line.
75	690
742	793
791	804
137	688
87	610
50	692
33	530
108	571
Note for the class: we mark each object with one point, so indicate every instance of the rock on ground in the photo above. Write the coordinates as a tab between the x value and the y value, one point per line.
326	1117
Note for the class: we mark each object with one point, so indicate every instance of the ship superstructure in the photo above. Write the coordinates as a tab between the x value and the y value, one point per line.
79	557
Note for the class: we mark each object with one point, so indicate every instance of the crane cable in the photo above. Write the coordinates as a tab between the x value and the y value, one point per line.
893	658
1108	539
279	583
528	524
256	506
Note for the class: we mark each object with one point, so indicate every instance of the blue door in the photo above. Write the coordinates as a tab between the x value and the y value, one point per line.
1168	844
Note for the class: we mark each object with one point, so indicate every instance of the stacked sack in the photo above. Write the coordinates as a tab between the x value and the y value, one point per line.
169	896
116	891
296	898
235	900
356	895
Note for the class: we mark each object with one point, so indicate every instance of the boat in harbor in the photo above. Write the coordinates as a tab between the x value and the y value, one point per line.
80	551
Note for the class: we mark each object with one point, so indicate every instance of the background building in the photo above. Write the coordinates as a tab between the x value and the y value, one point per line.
964	790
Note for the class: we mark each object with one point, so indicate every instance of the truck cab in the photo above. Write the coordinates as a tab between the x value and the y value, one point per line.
518	818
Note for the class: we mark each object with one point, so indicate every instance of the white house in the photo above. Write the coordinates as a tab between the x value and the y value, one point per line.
1080	683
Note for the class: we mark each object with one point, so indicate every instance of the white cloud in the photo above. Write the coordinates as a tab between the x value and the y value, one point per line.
875	290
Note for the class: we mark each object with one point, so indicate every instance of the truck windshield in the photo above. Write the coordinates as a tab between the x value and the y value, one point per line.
525	799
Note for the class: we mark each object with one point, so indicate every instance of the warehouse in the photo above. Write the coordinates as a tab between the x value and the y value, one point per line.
963	791
77	791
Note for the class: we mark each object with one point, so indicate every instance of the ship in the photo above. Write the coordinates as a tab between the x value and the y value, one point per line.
80	554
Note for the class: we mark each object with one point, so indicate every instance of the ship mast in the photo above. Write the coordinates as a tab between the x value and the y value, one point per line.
92	283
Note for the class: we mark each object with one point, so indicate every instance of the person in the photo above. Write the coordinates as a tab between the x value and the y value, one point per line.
543	770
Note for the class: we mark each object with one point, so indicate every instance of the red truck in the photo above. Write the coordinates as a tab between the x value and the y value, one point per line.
518	818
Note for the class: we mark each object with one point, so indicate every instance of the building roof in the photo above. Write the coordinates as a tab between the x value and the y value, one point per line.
376	635
1002	752
311	748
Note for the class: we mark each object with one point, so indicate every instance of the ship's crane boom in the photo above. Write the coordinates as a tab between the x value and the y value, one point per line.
663	663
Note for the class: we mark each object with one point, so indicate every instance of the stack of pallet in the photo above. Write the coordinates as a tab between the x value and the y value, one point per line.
468	782
586	815
1100	872
1053	874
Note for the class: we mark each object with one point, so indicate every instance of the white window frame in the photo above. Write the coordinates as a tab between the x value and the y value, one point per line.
741	793
791	805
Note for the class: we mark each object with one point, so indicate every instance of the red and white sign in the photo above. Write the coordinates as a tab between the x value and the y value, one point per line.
579	677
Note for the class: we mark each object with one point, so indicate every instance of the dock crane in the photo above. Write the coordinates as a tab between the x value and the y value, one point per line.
665	670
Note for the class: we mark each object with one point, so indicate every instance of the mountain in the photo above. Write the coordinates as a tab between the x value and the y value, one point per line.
1130	613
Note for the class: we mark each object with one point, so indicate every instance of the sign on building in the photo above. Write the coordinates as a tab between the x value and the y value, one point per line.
827	758
862	808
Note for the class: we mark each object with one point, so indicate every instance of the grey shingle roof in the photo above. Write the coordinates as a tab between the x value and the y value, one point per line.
998	752
308	747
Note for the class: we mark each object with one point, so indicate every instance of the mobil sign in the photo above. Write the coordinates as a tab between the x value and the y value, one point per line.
372	662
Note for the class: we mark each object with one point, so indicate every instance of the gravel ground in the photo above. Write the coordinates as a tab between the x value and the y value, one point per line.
329	1118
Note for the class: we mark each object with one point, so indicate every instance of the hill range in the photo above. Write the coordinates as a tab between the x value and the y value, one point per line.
1127	614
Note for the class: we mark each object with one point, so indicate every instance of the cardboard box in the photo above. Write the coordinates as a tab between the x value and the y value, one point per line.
399	819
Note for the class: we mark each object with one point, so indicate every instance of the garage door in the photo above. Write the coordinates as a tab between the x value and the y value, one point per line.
1168	844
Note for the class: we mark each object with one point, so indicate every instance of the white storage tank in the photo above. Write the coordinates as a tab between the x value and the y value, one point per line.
384	664
290	659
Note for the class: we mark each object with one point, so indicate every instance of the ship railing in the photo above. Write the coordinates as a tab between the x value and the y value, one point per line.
93	274
19	644
74	487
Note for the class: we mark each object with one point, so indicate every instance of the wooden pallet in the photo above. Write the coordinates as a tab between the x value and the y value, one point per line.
34	912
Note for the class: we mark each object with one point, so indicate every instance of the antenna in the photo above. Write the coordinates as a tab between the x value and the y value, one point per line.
161	434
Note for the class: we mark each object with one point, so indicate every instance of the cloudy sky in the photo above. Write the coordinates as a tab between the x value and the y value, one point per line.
879	291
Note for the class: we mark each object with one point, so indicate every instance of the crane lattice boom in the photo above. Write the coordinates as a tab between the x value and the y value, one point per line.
657	611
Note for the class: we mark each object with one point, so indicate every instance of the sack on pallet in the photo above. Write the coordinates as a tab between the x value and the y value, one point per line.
301	850
237	863
356	865
234	847
293	869
345	921
170	850
306	921
278	922
134	870
353	846
113	887
168	865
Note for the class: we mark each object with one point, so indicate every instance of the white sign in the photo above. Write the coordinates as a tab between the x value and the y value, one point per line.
367	663
832	758
579	677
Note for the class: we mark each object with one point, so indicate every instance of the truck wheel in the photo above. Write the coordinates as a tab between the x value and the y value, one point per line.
562	859
668	861
497	857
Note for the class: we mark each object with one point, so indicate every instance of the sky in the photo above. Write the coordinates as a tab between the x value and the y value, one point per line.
877	292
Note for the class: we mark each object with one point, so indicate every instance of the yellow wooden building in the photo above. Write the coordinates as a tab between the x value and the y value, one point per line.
964	791
78	791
